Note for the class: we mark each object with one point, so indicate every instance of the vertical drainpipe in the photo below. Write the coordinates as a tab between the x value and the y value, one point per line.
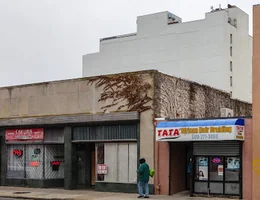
157	166
170	173
156	161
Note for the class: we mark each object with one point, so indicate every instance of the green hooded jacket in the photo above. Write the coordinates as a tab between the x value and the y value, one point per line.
144	172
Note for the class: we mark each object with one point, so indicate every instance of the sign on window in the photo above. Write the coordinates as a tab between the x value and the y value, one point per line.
102	169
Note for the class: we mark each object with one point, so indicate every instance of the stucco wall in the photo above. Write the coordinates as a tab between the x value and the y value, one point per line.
115	93
177	98
54	98
256	100
76	96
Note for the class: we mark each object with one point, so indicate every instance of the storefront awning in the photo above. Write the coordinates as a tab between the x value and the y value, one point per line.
201	130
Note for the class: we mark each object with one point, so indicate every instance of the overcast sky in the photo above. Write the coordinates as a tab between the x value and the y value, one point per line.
43	40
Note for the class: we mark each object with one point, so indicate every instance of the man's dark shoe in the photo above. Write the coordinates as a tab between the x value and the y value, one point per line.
140	197
146	197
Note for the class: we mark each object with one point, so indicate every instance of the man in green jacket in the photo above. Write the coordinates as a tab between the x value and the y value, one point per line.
144	173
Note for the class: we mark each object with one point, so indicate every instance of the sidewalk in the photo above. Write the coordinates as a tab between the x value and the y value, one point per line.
60	194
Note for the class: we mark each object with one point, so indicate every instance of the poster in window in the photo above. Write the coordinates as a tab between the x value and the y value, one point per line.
233	163
203	161
220	170
203	172
102	169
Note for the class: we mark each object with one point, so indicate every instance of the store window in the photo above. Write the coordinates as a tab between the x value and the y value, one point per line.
100	159
120	160
15	161
220	174
232	168
54	162
216	169
35	161
202	168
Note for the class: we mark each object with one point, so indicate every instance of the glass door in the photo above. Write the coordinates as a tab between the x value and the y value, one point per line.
219	175
216	174
201	174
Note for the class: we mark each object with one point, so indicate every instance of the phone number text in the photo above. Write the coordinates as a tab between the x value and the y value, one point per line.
205	137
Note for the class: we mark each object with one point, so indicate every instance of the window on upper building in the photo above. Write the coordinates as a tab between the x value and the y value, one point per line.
231	66
231	81
231	53
231	39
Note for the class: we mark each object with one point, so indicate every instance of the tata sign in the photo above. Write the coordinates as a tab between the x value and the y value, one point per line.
201	130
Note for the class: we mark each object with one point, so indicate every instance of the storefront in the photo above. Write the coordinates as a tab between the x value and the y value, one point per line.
34	157
214	164
107	156
76	151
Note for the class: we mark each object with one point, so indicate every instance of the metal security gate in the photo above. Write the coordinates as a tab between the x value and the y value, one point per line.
81	168
105	133
217	168
33	162
224	148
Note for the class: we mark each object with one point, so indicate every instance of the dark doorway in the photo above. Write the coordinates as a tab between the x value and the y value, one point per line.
189	154
180	166
93	165
86	172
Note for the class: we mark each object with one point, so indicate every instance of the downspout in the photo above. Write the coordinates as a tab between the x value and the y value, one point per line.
158	169
156	149
170	171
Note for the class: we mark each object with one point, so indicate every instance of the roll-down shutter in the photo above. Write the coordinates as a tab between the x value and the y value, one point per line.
105	133
223	148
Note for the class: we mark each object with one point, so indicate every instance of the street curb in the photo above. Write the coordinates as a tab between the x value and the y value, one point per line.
35	198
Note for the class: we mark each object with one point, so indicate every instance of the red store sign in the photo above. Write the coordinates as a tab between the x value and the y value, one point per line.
24	134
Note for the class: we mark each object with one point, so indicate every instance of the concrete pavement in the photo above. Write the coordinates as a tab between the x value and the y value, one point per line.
60	194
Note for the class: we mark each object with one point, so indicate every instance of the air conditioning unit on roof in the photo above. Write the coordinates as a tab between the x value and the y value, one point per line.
226	112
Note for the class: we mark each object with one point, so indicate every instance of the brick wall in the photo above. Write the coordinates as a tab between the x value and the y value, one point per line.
256	102
247	161
161	179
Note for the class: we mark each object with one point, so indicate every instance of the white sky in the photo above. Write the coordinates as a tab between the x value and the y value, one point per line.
43	40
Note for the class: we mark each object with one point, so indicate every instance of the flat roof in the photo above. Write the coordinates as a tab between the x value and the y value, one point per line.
209	118
201	122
